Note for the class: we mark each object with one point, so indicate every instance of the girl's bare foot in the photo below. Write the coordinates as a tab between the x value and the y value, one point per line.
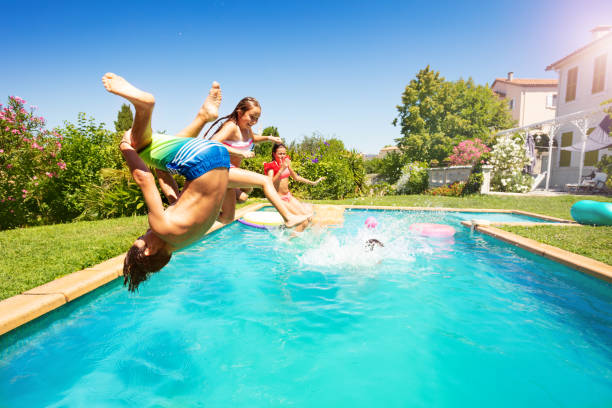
295	220
119	86
210	109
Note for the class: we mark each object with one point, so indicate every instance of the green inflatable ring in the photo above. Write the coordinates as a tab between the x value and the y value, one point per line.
591	212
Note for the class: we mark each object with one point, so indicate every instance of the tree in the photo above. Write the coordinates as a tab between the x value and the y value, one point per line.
124	119
436	115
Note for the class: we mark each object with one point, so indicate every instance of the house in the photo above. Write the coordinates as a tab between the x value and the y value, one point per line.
585	77
530	100
386	150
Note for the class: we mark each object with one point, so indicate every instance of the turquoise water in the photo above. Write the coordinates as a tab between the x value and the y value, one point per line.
249	318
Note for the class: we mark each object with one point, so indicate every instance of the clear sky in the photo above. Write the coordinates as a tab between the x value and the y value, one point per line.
334	67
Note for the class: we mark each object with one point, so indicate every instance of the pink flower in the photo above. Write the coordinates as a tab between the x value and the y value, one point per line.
48	174
23	196
34	177
12	211
9	166
24	191
1	150
61	165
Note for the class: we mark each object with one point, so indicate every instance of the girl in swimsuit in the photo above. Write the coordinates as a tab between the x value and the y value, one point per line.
237	135
279	170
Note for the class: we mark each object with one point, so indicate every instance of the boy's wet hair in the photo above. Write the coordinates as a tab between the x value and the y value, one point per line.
137	266
372	243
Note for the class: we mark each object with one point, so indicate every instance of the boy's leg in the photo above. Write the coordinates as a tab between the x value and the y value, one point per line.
228	209
244	178
207	113
143	104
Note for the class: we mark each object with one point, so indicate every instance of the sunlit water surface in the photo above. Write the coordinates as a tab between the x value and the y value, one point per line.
250	318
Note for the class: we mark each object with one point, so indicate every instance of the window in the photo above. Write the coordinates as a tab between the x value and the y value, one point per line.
590	158
572	80
599	74
511	103
565	158
551	100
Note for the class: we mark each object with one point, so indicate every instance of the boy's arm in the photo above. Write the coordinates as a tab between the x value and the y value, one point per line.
146	181
168	185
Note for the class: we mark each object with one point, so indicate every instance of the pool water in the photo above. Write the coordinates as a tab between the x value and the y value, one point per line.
247	317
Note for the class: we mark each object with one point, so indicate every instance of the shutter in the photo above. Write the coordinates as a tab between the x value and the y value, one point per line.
565	158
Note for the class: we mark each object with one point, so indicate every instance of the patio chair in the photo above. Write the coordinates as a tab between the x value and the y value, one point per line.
598	183
586	182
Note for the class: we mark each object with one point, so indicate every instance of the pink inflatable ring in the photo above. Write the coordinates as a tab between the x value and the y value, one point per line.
433	230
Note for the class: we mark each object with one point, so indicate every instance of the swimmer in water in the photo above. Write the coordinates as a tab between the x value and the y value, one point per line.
373	243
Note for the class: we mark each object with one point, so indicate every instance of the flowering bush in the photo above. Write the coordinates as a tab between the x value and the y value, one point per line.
28	160
508	158
454	190
414	179
468	152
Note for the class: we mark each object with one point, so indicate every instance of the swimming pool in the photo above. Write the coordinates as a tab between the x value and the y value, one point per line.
248	318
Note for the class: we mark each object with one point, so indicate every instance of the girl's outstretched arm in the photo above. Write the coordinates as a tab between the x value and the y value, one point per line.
301	179
259	138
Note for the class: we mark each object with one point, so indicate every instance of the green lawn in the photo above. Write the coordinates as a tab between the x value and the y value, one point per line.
33	256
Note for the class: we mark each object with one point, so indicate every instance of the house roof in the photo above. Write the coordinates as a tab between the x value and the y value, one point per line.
535	82
555	65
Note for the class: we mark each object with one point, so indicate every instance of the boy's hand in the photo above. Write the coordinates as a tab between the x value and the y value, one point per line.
275	139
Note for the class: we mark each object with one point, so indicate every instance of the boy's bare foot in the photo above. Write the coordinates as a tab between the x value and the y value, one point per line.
210	109
296	220
119	86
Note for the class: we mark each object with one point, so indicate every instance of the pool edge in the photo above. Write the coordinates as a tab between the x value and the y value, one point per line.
581	263
33	303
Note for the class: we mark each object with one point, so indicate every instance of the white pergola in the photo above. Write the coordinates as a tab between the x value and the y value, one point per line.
578	119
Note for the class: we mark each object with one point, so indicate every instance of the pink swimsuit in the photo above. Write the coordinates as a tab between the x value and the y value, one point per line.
239	145
275	167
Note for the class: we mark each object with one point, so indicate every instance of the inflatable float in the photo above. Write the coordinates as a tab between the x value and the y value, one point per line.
433	230
262	219
591	212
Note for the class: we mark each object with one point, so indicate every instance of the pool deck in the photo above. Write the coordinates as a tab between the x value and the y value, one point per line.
23	308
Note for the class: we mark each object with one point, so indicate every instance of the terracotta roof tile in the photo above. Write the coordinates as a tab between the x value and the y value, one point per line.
528	81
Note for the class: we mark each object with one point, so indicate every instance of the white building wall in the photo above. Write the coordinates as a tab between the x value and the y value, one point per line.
535	108
585	61
585	100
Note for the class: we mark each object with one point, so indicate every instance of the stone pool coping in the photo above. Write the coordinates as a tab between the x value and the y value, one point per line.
33	303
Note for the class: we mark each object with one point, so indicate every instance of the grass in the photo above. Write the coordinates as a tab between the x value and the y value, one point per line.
557	206
594	242
33	256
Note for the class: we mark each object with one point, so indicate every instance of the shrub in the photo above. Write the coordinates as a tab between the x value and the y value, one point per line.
28	160
116	196
381	189
454	190
468	152
509	158
87	149
605	165
390	167
414	179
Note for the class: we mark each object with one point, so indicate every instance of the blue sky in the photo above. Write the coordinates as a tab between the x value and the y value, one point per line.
333	67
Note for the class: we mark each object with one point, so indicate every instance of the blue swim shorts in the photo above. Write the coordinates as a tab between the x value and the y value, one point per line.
197	157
